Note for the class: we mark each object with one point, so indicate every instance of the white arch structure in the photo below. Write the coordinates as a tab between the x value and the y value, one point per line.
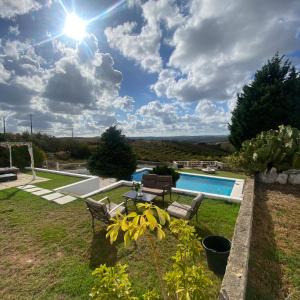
9	145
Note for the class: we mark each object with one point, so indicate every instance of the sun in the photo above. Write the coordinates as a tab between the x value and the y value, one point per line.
75	27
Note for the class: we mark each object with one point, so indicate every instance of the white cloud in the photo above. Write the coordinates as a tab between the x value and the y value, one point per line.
143	47
76	87
14	30
222	44
12	8
156	118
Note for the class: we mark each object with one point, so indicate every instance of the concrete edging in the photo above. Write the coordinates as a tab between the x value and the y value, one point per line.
61	172
234	283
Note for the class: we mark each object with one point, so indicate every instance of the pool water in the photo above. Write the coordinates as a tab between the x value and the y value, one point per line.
199	183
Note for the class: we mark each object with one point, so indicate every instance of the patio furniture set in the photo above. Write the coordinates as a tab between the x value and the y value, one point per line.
153	186
8	174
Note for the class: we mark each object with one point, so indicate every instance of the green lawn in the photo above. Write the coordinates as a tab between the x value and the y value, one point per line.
56	180
218	173
48	251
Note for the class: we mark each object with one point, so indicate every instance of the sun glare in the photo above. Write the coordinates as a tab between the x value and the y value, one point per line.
74	27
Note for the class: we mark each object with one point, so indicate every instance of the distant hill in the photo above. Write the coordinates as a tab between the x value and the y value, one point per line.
194	139
164	151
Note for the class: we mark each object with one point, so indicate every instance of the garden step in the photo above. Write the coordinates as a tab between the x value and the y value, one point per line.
34	189
65	199
52	196
42	192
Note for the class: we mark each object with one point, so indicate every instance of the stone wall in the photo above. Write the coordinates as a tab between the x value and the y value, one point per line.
291	176
235	279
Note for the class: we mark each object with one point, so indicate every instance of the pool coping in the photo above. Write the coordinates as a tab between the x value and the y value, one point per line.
236	193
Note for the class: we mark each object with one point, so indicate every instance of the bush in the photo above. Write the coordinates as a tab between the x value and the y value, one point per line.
184	280
164	170
273	148
21	157
113	157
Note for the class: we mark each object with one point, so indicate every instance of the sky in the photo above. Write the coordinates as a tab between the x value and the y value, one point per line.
153	68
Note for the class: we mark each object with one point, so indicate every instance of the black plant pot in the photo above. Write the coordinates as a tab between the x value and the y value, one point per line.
217	250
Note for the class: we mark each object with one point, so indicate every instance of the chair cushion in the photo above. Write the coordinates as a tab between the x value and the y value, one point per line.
179	210
158	192
120	209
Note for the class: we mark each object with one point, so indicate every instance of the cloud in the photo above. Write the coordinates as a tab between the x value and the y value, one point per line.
143	47
12	8
78	85
14	30
220	46
156	118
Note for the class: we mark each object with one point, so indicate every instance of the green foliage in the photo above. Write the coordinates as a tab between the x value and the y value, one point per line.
114	156
186	280
21	157
165	170
272	99
273	148
136	225
112	283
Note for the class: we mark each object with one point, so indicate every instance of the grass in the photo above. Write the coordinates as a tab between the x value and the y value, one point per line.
56	180
274	266
221	173
48	251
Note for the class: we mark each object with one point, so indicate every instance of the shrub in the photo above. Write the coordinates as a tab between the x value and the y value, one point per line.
185	280
21	157
273	148
113	157
164	170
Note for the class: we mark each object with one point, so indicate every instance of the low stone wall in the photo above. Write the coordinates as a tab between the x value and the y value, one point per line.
235	279
291	176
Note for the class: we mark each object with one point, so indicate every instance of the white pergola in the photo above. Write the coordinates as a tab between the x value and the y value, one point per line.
9	145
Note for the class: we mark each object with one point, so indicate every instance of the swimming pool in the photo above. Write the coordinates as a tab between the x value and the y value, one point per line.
199	183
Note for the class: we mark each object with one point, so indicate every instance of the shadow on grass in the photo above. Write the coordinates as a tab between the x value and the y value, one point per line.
264	274
9	193
101	251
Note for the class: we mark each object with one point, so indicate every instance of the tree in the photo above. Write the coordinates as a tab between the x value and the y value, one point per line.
272	99
114	156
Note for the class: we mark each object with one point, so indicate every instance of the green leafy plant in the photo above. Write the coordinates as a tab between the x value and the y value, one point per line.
165	170
112	283
136	186
273	148
185	281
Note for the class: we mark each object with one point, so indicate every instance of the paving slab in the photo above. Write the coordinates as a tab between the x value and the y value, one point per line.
27	186
42	192
31	190
64	200
23	180
52	196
